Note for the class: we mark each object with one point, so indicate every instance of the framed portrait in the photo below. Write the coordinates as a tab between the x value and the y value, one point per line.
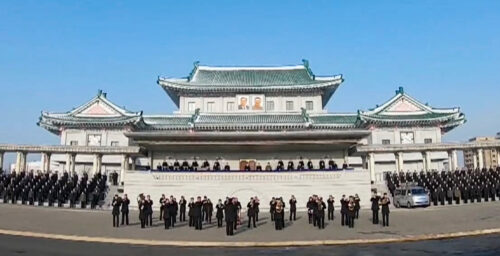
251	103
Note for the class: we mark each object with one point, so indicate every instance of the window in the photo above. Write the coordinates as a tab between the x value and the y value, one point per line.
73	143
230	106
191	106
115	143
211	106
289	105
309	105
386	142
428	141
270	105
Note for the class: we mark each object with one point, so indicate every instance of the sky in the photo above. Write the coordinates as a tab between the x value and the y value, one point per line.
56	55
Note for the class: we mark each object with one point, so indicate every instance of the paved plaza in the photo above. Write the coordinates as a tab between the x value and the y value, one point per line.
404	223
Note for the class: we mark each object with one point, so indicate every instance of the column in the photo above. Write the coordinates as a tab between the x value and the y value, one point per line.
480	160
474	159
498	157
1	160
371	166
450	161
399	161
364	163
454	159
97	163
426	160
68	162
45	162
346	157
124	168
73	164
132	167
21	161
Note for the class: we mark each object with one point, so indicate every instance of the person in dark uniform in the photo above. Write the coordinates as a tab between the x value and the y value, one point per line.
293	208
278	215
479	191
197	214
465	193
434	196
343	210
231	213
177	166
209	210
142	211
227	167
290	166
301	165
205	166
280	166
149	211
442	194
384	202
310	165
309	206
247	167
191	212
171	211
272	207
161	206
220	213
351	211
185	165
331	164
216	165
194	165
116	203
182	211
166	213
356	206
256	203
125	203
330	203
320	213
375	207
251	213
449	194
258	167
457	194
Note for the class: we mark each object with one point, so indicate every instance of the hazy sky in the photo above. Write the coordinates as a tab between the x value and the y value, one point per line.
56	55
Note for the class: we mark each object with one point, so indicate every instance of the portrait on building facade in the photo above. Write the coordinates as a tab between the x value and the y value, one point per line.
250	102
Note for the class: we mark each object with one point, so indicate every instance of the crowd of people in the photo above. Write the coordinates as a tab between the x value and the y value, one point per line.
459	186
37	188
216	166
200	211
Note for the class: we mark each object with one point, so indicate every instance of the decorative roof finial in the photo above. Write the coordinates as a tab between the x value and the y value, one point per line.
99	92
195	64
400	90
306	63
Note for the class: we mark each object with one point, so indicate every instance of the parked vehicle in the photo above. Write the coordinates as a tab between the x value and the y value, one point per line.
411	196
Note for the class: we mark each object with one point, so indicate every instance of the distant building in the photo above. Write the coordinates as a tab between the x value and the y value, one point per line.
489	157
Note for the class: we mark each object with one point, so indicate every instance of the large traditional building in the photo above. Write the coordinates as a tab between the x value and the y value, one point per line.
250	115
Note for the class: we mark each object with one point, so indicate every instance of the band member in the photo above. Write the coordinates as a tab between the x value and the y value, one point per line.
293	208
356	205
269	167
161	205
278	215
182	213
343	210
166	213
197	214
310	165
272	207
238	211
216	166
258	167
330	203
125	203
227	167
231	212
149	211
320	213
291	166
310	210
209	210
251	212
280	166
385	209
191	212
116	210
171	210
220	213
142	210
256	203
351	208
321	165
375	207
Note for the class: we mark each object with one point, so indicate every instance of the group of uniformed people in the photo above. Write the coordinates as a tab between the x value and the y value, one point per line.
37	188
206	166
451	187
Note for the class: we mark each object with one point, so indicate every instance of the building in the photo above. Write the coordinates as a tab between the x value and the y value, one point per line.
485	157
256	115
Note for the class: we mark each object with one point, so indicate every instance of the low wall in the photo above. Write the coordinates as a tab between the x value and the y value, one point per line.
244	185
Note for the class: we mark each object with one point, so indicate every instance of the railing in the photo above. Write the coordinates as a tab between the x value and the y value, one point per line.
243	171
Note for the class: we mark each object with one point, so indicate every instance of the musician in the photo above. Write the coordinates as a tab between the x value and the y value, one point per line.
216	165
231	213
356	205
226	167
204	209
247	167
166	213
343	210
251	212
256	203
269	167
197	208
209	210
278	215
351	214
220	213
161	206
375	207
272	207
309	207
149	210
293	208
301	165
116	203
172	210
194	165
191	212
331	164
176	165
280	166
185	165
238	212
384	202
206	165
320	213
124	210
142	210
290	166
182	214
331	207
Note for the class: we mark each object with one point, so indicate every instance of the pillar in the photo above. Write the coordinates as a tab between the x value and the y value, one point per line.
399	161
454	159
371	166
73	164
474	159
97	163
480	159
346	157
426	160
125	159
21	161
364	163
132	167
498	157
1	160
68	162
46	162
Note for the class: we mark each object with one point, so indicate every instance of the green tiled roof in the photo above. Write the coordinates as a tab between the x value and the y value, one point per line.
251	119
334	119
